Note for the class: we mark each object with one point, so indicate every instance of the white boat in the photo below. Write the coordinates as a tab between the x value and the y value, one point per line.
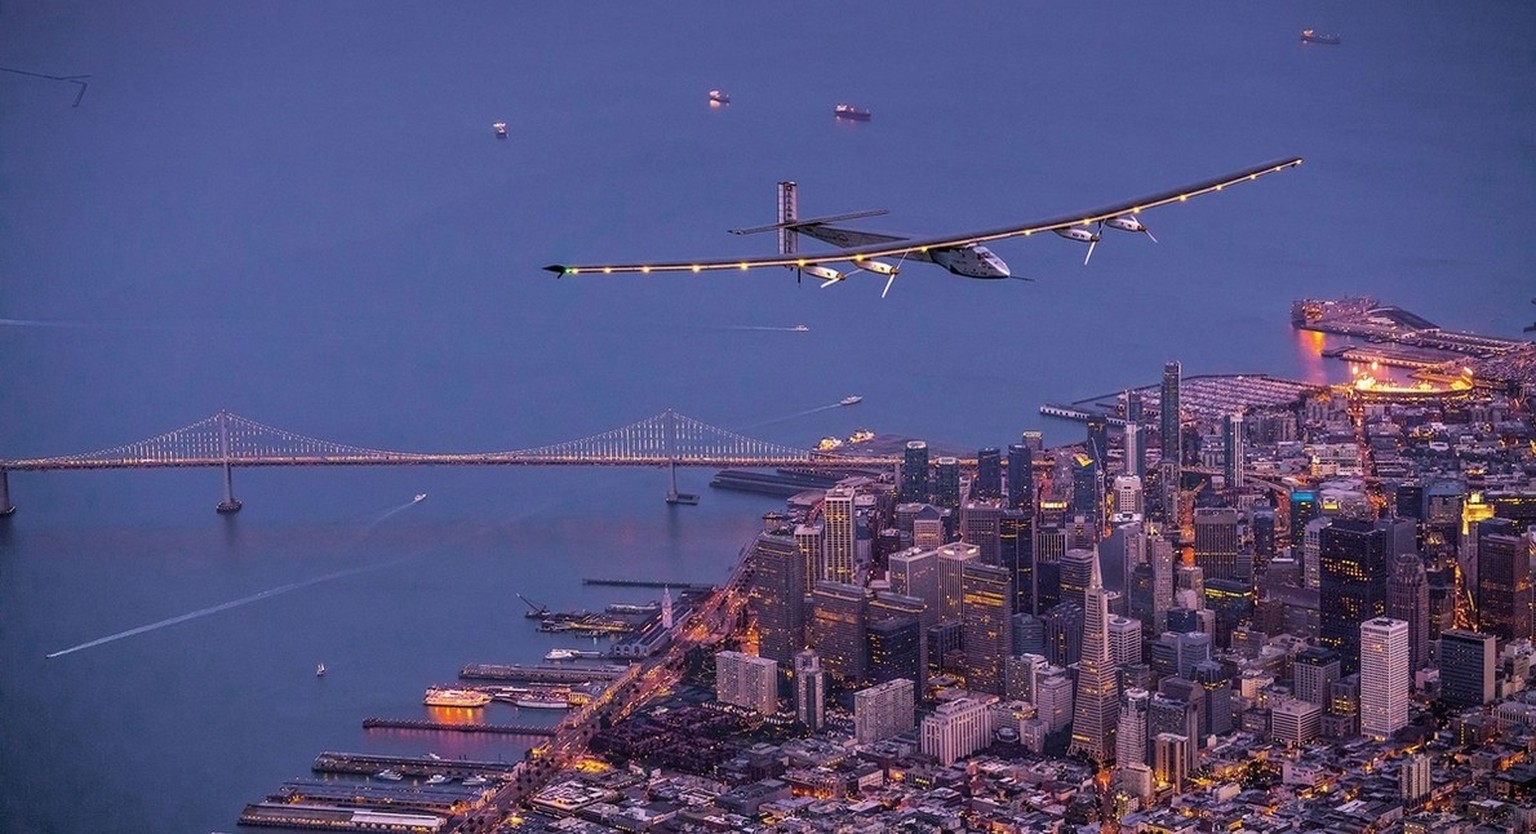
420	497
1314	36
389	774
851	400
849	111
800	328
719	97
544	700
434	757
446	697
320	671
436	779
475	781
501	129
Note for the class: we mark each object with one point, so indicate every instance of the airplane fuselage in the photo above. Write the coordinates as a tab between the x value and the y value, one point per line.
968	261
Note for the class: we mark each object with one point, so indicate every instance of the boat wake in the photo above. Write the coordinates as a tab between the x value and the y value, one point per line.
759	328
787	417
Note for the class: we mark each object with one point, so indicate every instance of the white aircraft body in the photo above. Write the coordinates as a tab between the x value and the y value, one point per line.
962	254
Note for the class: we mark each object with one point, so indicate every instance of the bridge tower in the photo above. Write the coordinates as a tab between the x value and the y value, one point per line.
669	431
7	509
230	504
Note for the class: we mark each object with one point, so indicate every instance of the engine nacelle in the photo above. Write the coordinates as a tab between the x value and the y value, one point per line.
1125	224
879	267
1079	234
827	274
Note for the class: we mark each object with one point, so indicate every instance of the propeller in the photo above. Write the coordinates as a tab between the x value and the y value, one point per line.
1092	242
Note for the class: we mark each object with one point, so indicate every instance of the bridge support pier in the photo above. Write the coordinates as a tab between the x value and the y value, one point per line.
7	509
230	504
673	496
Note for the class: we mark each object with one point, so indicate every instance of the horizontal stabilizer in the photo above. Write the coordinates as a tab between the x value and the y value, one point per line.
811	221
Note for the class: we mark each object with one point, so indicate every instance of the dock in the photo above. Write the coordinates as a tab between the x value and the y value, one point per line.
646	583
372	723
367	764
539	674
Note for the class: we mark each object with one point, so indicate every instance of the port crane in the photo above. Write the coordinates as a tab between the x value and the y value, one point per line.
535	611
962	254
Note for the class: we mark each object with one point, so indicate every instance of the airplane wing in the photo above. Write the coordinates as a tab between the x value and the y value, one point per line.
923	245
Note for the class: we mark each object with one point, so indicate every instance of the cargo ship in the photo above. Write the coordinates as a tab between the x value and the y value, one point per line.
445	697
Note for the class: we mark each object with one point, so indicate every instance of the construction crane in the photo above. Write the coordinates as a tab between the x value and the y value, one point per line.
535	611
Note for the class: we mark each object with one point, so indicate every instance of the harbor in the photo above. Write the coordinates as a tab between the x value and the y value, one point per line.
375	723
1204	396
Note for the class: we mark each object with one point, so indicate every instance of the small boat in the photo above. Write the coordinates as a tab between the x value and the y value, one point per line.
475	781
1314	36
719	97
544	700
501	129
800	328
434	757
848	111
389	774
420	497
320	671
436	779
853	400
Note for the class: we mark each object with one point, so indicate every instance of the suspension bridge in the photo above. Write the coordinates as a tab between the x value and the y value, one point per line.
227	440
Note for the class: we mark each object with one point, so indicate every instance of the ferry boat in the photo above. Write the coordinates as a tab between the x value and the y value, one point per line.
719	97
389	774
320	671
420	497
444	697
572	654
501	129
848	111
1314	36
544	700
829	444
861	436
851	400
800	328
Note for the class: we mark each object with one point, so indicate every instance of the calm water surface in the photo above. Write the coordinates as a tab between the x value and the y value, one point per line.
298	212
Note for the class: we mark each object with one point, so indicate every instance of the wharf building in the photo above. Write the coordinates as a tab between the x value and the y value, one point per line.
1467	662
810	691
1385	679
777	596
883	710
1355	560
747	681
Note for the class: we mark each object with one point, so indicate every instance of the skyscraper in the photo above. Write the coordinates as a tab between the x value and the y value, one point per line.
1098	439
1134	457
1384	677
837	629
1503	580
946	491
1354	560
883	710
988	618
915	573
1064	633
1232	443
1085	487
894	647
1021	478
1313	674
810	691
778	596
811	541
1216	542
1131	731
989	474
1124	641
1467	663
1016	554
838	558
914	472
952	561
1303	508
1097	703
747	681
1408	600
981	525
1078	568
1129	503
1171	440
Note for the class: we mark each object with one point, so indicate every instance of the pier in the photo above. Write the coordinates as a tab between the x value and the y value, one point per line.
440	726
540	674
367	764
646	583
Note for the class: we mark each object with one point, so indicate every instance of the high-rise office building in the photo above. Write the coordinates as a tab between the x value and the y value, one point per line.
1028	634
929	527
1129	500
1384	677
1053	698
895	648
952	561
988	633
1503	580
1160	557
1016	554
1086	487
1077	570
887	605
1096	706
989	474
1311	553
810	540
837	629
946	491
1169	424
1313	674
1303	508
1064	633
1124	641
914	472
915	573
883	710
810	690
778	596
1354	558
838	552
1131	731
1408	600
1232	446
1216	542
956	729
1134	456
1170	757
1467	663
1295	722
981	525
1413	777
1265	543
747	681
1021	478
1034	441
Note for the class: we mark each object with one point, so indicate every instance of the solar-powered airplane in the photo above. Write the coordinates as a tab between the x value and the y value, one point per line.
962	254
